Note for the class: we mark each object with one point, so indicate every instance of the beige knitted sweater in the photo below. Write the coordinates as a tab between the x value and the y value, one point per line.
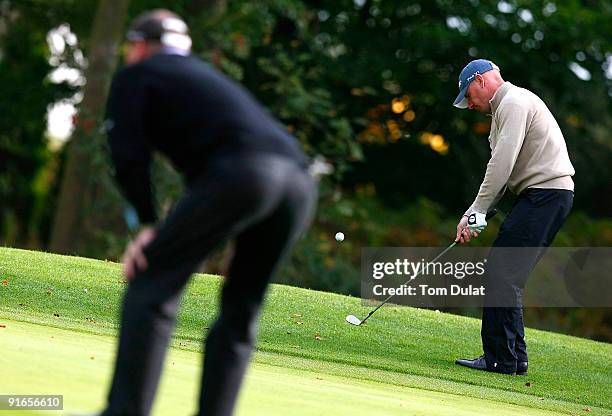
527	148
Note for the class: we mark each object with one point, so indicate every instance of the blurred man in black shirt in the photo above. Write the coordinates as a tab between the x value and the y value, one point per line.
246	179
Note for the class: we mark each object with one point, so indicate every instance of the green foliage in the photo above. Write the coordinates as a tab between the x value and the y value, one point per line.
28	169
25	96
330	70
271	48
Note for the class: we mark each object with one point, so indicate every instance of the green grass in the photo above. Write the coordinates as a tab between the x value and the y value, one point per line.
399	348
78	363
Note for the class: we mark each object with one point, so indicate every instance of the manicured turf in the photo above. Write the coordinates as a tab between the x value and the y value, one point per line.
304	331
79	366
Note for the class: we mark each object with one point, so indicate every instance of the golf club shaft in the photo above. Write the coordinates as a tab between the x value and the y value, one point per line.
390	296
490	214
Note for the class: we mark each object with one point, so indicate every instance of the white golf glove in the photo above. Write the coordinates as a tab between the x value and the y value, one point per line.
477	222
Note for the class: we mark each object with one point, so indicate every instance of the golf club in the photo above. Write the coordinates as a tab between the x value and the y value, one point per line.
353	320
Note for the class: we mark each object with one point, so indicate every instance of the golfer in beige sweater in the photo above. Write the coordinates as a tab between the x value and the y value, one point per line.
529	157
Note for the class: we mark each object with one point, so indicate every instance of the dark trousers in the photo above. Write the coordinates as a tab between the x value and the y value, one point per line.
530	227
265	202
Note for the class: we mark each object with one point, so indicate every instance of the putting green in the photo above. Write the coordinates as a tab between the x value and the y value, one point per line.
38	359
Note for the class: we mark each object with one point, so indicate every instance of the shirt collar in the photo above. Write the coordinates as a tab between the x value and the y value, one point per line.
499	96
169	50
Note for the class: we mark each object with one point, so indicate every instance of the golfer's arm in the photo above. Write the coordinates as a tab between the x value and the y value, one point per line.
130	152
513	120
498	198
134	180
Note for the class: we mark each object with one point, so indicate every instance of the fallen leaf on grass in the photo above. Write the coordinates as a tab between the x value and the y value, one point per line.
587	409
5	282
528	384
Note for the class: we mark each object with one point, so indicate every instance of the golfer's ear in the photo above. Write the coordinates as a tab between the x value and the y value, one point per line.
480	79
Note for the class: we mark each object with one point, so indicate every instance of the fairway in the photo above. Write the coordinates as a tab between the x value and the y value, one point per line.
58	362
60	317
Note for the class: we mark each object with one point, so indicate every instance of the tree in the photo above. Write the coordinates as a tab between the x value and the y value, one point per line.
24	156
75	217
373	80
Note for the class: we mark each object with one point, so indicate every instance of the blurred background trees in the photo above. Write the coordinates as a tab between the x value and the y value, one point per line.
366	85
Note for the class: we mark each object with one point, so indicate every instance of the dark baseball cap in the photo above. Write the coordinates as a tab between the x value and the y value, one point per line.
468	74
162	26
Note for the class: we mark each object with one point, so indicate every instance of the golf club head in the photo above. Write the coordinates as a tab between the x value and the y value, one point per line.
353	320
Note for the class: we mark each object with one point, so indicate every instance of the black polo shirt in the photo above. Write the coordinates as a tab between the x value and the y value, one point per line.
190	112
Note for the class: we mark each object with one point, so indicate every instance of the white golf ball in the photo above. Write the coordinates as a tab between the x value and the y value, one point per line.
339	236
